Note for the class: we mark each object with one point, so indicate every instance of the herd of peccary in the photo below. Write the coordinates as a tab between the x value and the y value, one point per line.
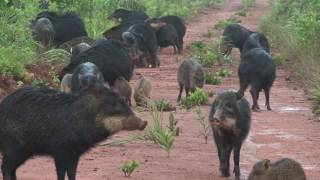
95	94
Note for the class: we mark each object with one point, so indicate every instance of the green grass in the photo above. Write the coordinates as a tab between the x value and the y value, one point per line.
205	127
213	79
225	22
224	72
198	97
128	167
206	53
248	3
163	105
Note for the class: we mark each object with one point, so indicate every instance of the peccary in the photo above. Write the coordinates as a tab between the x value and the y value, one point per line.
43	31
235	35
123	88
230	119
65	85
64	27
142	91
256	68
109	56
283	169
128	15
79	48
190	76
69	45
61	125
86	75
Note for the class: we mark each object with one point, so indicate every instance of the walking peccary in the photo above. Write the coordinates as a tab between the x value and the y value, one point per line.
142	91
230	119
190	76
61	125
123	88
283	169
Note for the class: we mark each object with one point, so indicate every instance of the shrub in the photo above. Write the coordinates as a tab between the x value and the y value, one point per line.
128	167
211	78
198	97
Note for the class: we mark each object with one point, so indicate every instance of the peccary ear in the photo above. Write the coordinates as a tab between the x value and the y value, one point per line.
266	164
157	25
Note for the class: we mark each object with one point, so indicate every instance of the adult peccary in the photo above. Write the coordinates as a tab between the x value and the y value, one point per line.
65	85
128	15
43	31
190	76
76	41
79	48
230	119
123	88
177	23
142	92
257	69
109	56
60	125
62	27
235	35
86	75
283	169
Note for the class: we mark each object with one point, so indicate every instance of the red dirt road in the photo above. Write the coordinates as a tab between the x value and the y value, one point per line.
289	130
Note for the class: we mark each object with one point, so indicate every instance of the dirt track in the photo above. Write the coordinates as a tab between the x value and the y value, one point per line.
288	131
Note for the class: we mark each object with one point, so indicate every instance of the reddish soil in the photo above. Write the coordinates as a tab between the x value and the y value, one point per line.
289	130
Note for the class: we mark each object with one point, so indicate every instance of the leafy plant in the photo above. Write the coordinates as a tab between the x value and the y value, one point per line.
38	82
224	73
211	78
205	127
173	125
198	97
207	54
128	167
163	105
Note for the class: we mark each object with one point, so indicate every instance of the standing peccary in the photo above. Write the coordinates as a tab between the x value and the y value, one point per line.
256	68
123	88
109	56
43	31
64	27
128	15
230	119
60	125
65	85
142	91
86	75
283	169
235	35
190	76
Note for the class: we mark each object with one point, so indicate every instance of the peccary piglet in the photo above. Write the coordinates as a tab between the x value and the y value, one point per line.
235	35
283	169
142	91
257	69
60	125
230	119
65	85
128	15
86	75
123	88
190	76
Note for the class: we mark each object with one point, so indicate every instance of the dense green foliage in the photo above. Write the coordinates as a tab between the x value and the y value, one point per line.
293	27
18	49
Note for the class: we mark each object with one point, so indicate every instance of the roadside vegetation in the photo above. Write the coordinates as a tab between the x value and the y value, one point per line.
295	34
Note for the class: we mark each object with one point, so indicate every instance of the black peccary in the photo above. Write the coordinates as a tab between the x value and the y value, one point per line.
190	76
43	31
230	119
257	69
179	25
235	35
76	41
65	26
61	125
79	48
128	15
109	56
86	75
145	37
283	169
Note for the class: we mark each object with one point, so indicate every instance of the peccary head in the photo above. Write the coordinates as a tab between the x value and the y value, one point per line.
224	110
113	112
43	31
226	46
79	48
132	45
260	170
197	80
119	13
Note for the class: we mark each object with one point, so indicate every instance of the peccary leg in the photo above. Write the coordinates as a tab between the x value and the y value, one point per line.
72	168
61	166
10	162
180	92
174	49
255	89
267	93
244	83
224	151
236	159
187	91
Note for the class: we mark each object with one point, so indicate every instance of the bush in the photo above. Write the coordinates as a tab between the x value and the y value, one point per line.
210	78
207	54
198	97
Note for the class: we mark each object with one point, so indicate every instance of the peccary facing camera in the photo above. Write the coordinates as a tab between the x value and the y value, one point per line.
60	125
43	31
190	76
109	56
65	26
283	169
230	119
235	35
86	75
257	69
